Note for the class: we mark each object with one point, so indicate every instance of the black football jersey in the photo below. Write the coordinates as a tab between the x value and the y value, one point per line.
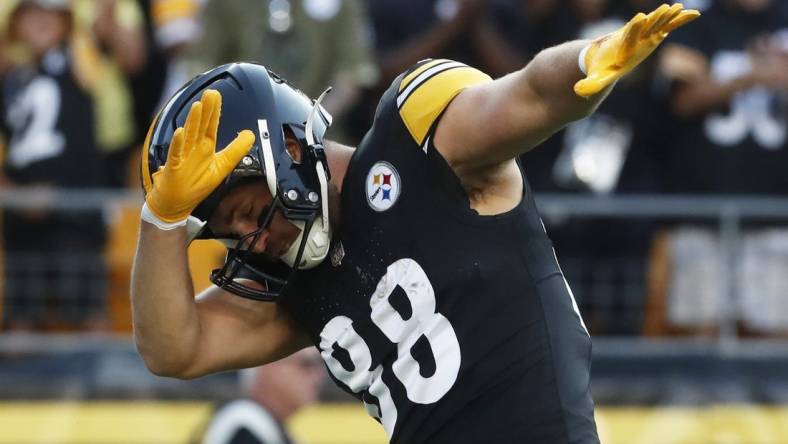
450	326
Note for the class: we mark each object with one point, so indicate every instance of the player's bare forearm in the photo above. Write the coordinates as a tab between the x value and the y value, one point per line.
491	123
550	78
517	112
541	99
185	337
164	315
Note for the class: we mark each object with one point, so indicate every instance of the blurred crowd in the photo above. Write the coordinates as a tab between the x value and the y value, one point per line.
80	81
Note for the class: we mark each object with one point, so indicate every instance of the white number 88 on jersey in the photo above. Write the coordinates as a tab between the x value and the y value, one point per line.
423	322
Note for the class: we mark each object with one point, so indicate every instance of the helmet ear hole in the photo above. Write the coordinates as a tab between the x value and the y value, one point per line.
293	147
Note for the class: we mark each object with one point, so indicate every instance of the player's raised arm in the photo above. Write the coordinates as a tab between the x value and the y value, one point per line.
492	122
175	334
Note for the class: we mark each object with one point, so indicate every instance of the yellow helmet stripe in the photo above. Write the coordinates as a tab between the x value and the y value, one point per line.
147	182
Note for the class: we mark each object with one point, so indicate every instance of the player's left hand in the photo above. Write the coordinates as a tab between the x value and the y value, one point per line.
615	54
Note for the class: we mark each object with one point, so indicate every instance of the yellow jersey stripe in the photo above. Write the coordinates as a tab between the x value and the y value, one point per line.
402	97
428	100
408	78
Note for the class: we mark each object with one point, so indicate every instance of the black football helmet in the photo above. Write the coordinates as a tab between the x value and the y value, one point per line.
255	98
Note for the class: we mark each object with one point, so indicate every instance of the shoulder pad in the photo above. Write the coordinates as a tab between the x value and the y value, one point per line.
428	88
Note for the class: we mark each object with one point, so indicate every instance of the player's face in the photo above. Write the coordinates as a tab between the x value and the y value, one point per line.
239	212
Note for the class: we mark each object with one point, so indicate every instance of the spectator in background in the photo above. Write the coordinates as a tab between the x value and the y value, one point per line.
512	32
170	27
113	34
406	31
176	26
728	84
274	393
313	43
729	77
54	271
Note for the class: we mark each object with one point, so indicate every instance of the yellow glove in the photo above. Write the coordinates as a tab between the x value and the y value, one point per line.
193	168
609	57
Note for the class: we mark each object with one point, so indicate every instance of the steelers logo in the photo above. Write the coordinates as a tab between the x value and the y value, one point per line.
383	186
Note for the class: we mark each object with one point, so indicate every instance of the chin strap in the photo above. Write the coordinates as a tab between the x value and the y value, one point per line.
320	168
321	176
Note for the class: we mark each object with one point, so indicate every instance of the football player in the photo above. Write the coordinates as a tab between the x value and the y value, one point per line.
417	263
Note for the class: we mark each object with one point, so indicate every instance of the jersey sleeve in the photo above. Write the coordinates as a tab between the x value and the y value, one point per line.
426	90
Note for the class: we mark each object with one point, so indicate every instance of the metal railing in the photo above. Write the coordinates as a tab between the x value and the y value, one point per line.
633	355
67	199
728	212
